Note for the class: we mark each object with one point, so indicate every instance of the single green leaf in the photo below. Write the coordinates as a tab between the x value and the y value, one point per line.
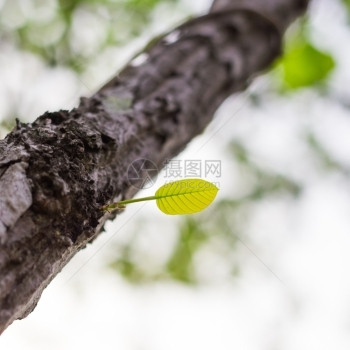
304	65
187	196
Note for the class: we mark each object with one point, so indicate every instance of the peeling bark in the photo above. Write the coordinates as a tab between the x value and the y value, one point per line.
57	172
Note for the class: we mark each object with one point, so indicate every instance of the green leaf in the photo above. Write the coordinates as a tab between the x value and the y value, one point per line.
180	265
304	65
347	5
177	198
185	196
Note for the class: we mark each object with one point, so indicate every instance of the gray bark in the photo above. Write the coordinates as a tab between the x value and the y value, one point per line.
57	172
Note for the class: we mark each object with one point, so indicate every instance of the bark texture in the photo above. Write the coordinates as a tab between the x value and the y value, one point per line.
56	173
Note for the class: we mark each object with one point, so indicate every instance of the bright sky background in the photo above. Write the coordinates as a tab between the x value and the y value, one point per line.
293	290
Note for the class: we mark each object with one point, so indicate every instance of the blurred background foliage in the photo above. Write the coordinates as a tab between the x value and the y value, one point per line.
303	64
73	33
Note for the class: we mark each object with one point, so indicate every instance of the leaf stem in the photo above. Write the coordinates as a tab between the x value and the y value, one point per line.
121	204
128	201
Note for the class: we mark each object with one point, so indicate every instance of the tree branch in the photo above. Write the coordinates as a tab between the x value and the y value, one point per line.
280	12
56	173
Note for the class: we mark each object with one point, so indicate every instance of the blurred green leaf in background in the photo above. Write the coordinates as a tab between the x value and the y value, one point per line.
303	64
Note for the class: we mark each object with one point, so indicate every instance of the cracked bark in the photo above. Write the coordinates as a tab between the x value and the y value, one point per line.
57	172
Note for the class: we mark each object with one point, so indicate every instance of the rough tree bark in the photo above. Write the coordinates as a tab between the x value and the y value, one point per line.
57	172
